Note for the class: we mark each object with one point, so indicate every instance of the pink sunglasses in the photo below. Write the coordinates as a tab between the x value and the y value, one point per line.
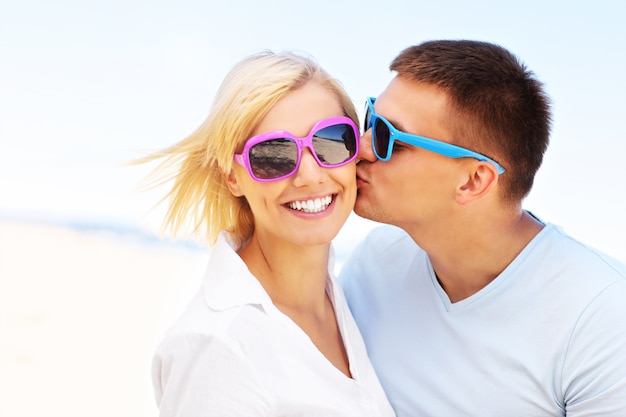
276	155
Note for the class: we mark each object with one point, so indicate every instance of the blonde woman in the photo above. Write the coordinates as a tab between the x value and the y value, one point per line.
269	179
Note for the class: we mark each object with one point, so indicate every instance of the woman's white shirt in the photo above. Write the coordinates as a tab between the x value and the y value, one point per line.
233	353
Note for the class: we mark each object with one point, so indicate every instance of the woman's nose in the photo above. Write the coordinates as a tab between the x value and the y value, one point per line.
309	171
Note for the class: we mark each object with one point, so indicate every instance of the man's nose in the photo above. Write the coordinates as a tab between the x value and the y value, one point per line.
366	152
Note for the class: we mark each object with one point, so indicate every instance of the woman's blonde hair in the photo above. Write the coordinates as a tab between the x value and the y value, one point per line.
199	196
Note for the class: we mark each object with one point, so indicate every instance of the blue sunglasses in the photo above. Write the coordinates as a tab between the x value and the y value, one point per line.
384	135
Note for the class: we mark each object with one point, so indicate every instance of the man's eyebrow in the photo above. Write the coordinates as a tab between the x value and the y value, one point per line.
396	124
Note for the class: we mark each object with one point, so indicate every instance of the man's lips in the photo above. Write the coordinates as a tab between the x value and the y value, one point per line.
360	177
361	183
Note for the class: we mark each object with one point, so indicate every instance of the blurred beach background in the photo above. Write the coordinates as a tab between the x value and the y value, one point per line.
88	285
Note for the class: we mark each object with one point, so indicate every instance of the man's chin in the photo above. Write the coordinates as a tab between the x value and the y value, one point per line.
363	208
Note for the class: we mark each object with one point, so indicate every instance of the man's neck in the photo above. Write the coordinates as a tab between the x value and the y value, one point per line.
470	258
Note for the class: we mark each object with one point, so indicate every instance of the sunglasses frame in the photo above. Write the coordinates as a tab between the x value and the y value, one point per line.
243	158
442	148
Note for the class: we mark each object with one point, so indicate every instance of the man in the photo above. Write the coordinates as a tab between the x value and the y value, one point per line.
472	306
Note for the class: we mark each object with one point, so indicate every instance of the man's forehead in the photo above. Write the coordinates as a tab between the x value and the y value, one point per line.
403	99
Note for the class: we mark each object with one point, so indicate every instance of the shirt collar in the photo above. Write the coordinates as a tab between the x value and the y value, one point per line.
229	283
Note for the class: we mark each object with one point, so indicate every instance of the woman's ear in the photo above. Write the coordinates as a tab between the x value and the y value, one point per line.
482	179
231	182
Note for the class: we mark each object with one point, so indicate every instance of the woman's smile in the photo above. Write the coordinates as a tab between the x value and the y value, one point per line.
311	205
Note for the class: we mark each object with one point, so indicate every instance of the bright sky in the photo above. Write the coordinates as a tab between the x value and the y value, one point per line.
86	85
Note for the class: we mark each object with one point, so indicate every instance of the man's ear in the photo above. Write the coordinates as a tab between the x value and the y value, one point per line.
481	180
232	184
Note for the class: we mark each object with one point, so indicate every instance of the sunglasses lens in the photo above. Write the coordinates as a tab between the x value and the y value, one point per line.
381	138
367	121
273	158
335	144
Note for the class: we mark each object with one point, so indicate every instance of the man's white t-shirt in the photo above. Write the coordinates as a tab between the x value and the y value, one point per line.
546	338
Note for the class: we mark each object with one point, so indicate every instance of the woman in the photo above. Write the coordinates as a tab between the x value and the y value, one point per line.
270	177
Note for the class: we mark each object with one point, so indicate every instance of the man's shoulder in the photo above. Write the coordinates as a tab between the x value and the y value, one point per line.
583	257
386	251
387	238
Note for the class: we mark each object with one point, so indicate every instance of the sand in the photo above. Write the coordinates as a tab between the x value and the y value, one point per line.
80	316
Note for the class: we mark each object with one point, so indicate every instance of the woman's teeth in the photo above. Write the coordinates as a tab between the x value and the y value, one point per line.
311	206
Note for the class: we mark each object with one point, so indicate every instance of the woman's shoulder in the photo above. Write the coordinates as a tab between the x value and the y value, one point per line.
198	323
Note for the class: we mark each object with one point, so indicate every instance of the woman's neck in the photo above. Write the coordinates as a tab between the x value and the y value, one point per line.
294	276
